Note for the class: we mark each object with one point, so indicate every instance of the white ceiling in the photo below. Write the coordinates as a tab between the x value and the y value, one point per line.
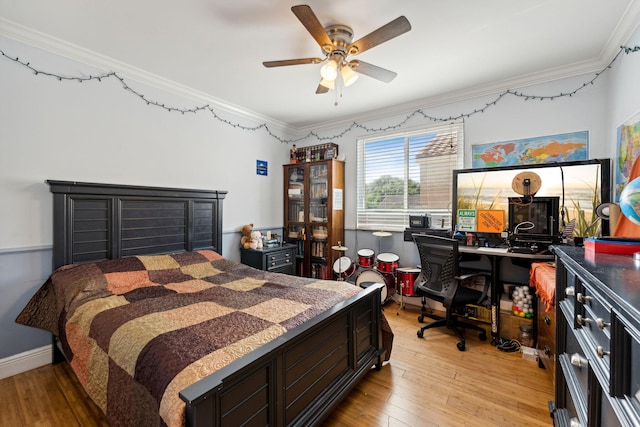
215	48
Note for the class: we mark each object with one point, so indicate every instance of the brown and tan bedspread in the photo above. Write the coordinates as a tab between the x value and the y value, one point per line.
138	330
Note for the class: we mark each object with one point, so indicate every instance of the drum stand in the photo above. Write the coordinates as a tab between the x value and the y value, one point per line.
380	234
399	288
341	249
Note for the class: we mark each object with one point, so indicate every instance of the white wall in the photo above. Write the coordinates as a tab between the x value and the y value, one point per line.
99	132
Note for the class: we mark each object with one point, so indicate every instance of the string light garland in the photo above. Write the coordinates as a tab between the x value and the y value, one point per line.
312	134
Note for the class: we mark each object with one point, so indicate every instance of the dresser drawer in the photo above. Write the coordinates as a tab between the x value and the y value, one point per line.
608	415
578	362
279	259
594	309
546	337
593	319
574	410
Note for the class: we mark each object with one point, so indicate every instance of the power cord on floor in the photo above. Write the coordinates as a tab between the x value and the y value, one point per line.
509	346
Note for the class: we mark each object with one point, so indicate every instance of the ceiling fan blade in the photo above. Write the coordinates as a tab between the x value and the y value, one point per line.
284	62
321	89
371	70
313	25
393	29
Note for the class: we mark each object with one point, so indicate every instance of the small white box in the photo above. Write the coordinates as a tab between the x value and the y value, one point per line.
529	353
506	304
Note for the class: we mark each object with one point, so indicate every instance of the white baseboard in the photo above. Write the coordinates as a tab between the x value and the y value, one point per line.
22	362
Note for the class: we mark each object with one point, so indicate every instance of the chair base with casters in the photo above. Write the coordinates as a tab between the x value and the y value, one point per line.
452	322
439	281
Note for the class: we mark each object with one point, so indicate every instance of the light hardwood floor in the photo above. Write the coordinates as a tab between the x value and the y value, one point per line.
427	382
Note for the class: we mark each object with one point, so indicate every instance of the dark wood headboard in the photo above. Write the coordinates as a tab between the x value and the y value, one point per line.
93	222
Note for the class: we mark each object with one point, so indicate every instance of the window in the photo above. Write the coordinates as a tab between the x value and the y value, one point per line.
408	174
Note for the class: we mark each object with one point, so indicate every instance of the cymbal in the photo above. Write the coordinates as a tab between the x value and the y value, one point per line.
381	233
339	248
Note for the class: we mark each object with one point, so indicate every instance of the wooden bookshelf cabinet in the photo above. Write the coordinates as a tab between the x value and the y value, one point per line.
314	215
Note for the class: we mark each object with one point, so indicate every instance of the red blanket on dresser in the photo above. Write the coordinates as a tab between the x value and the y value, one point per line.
138	330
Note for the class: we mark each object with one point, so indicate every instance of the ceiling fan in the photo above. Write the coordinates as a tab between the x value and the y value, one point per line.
336	43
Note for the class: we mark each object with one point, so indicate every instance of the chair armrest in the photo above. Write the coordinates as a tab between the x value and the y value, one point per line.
487	283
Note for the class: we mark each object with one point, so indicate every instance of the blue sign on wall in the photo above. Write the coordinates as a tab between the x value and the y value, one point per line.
261	167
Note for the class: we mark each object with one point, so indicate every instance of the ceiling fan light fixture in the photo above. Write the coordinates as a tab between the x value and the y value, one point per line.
329	71
349	76
329	84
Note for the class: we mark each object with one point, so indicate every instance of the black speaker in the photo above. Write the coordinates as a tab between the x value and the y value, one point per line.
419	221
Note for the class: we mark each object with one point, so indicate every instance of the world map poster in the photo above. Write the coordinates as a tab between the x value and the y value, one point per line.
543	149
628	135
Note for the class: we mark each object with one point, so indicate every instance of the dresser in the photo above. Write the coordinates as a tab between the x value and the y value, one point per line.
597	373
279	259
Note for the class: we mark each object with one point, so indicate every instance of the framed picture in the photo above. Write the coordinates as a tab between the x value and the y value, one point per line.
329	153
262	167
542	149
628	145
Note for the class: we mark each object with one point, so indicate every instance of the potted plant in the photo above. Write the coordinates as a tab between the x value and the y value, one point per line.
585	219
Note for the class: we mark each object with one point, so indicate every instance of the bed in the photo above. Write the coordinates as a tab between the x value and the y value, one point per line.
161	329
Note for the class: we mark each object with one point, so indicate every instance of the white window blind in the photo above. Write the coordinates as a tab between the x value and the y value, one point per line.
408	173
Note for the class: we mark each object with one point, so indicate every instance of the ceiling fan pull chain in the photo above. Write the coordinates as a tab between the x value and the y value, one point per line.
338	89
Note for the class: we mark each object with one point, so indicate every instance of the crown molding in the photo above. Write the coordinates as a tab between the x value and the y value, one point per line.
628	23
106	64
491	89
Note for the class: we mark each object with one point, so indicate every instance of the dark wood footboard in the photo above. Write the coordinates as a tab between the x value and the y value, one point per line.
299	378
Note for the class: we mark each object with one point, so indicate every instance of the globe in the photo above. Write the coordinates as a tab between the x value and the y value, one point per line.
630	201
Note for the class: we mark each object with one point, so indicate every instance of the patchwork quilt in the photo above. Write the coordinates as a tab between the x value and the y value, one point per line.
138	330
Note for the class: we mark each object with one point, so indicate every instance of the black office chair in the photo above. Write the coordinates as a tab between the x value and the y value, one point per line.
439	280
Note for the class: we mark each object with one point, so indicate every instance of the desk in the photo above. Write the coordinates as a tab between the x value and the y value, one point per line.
500	262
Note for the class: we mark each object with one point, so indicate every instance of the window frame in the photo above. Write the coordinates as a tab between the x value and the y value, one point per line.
398	219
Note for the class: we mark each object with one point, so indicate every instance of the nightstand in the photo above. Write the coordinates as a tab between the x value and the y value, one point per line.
279	259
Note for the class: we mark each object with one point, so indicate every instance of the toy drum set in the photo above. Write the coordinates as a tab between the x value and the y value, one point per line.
366	258
383	268
343	267
380	271
406	278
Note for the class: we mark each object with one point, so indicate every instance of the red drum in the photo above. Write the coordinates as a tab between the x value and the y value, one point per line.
369	277
365	257
388	262
344	267
406	278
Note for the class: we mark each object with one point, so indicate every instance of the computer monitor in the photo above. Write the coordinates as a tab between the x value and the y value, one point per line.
534	218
